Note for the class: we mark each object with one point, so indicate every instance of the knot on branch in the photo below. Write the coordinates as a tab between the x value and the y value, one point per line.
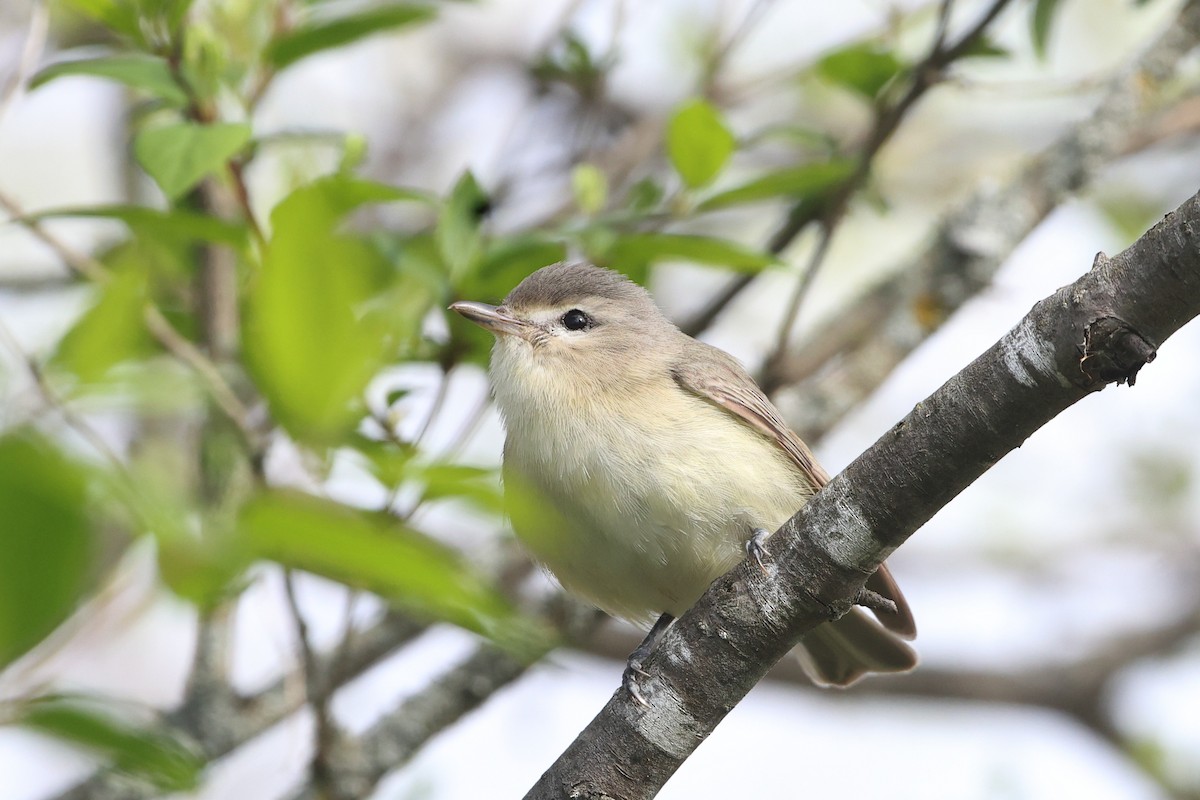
876	602
1113	352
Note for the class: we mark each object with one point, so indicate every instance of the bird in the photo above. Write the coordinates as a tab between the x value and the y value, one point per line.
649	463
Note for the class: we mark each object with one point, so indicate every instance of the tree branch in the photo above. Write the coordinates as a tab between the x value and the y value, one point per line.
396	737
1099	330
921	77
1074	685
237	722
892	319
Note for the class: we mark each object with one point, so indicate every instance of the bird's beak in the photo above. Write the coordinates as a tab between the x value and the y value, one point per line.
493	319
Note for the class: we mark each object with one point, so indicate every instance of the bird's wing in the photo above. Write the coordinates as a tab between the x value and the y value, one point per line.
717	377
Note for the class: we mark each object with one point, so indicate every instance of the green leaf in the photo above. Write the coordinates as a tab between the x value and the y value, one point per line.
179	156
458	236
198	554
806	180
590	188
110	332
644	195
801	136
634	249
417	286
698	142
863	68
377	553
986	47
307	346
119	15
175	13
46	546
314	37
387	460
132	749
568	60
1040	24
147	73
478	486
509	261
176	225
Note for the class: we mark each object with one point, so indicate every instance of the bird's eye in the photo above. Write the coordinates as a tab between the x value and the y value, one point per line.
575	320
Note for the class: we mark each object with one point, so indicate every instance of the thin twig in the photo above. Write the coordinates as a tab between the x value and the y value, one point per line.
316	689
260	712
470	427
81	264
435	408
792	311
967	248
55	403
242	194
924	76
31	53
183	349
156	322
725	49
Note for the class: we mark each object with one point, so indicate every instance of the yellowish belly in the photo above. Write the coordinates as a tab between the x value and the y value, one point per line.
639	514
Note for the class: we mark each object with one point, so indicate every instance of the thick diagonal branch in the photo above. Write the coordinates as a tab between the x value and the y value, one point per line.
1100	329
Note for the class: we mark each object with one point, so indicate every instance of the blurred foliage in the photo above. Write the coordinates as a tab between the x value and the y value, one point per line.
374	551
180	155
699	143
128	746
323	34
308	346
864	68
46	544
1040	24
329	298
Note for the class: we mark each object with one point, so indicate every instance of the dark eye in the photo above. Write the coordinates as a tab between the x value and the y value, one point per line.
576	320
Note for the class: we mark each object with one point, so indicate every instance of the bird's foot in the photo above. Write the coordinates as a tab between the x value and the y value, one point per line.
633	667
629	679
756	547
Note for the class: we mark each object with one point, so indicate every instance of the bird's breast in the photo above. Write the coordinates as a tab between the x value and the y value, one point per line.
640	504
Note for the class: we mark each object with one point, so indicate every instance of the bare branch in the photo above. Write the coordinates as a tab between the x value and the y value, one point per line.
1075	686
399	735
31	53
222	394
236	723
922	77
323	770
891	320
208	697
80	263
392	741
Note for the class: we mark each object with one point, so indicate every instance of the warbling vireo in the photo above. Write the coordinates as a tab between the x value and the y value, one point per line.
659	463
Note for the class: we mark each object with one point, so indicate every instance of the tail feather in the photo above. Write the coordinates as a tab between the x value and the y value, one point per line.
840	652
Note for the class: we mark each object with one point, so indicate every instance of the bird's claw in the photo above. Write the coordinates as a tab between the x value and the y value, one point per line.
634	671
756	547
633	667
